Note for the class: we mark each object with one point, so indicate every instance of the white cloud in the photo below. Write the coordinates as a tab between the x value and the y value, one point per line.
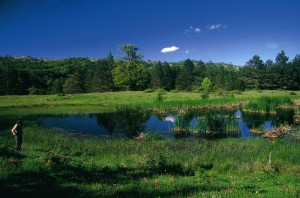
197	30
216	26
192	29
169	49
187	51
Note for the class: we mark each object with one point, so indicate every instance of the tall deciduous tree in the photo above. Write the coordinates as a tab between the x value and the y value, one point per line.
131	53
131	74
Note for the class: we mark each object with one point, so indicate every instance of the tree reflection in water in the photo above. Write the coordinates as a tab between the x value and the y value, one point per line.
129	121
209	124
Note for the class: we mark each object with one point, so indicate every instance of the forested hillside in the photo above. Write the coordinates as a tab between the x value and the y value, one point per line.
27	75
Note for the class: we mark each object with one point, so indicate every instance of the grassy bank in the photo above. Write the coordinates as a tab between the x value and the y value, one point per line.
59	164
56	163
103	102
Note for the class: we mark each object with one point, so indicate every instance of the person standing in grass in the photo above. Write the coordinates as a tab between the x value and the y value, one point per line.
17	131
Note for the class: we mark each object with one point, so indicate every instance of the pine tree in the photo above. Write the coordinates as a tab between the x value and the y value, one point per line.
9	79
102	79
73	84
185	79
168	77
157	76
282	70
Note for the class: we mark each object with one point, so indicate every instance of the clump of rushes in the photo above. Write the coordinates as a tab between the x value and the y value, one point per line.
181	124
232	124
266	104
260	130
215	122
221	122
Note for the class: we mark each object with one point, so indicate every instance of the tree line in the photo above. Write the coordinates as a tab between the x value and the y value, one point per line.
27	75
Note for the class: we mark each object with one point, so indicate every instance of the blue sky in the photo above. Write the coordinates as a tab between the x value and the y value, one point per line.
229	31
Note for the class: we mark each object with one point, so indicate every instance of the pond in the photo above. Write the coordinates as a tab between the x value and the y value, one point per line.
209	124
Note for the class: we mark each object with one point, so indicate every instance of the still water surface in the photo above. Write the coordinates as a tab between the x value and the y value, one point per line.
129	124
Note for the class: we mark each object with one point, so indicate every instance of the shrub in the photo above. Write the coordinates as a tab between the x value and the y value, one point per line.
149	90
196	91
35	91
239	92
204	95
159	94
293	93
174	91
156	162
225	93
61	94
219	92
206	84
160	90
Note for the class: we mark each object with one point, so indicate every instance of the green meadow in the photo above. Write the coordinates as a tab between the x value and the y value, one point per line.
111	101
55	163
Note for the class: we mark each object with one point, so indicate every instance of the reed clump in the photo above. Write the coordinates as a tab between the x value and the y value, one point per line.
216	123
267	104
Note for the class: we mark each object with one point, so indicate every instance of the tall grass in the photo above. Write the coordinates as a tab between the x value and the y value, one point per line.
61	164
181	123
222	122
232	124
266	104
215	122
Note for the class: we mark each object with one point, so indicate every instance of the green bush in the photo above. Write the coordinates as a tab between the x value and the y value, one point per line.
239	92
225	93
293	93
159	94
196	91
149	90
204	95
218	92
35	91
61	94
160	90
174	91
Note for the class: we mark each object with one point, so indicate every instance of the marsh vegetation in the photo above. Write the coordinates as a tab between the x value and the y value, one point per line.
206	150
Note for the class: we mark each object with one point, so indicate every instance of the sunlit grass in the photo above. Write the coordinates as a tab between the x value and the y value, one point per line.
103	102
62	164
151	167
